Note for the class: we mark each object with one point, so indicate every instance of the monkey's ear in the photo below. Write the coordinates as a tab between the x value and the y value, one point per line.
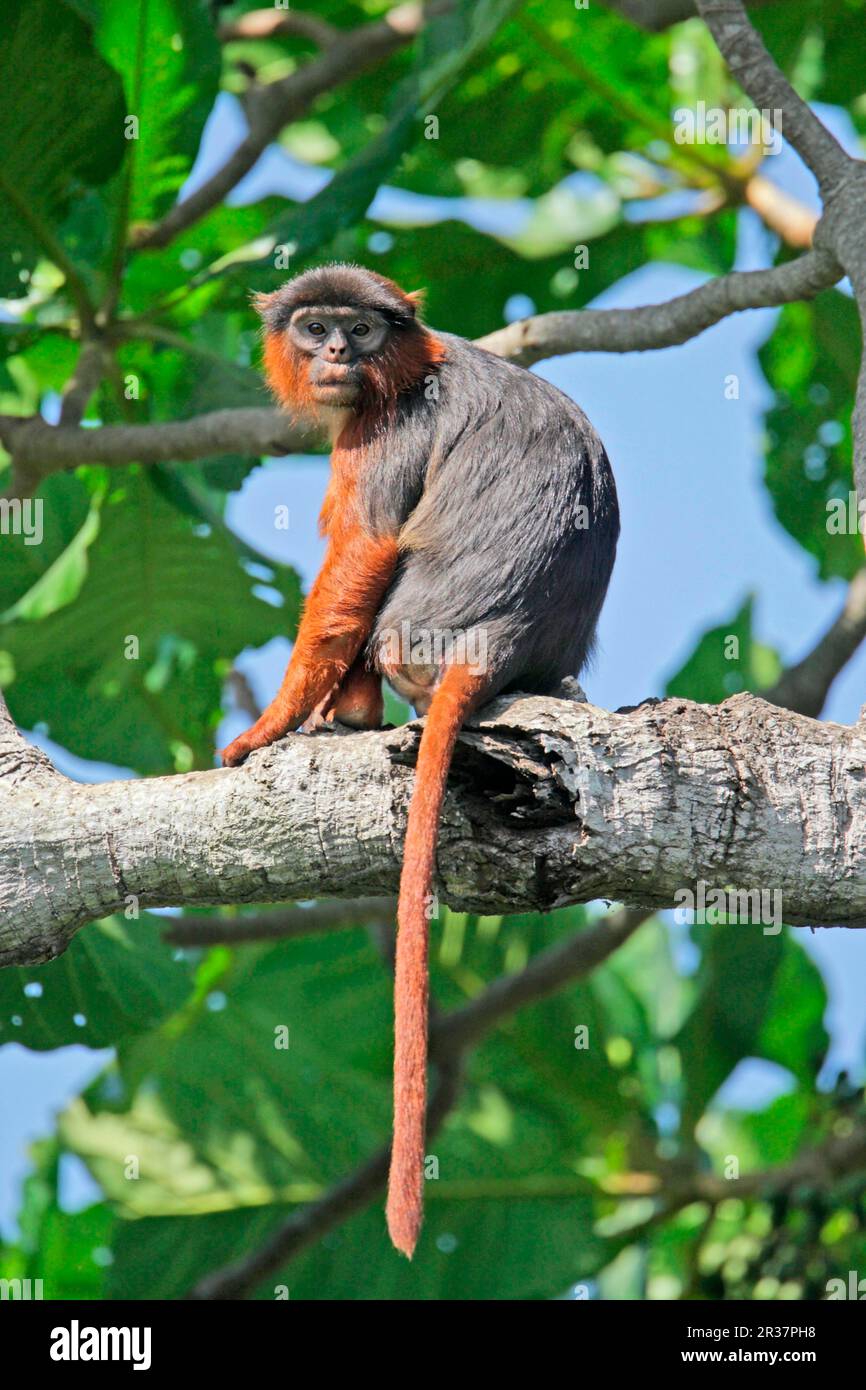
262	302
417	298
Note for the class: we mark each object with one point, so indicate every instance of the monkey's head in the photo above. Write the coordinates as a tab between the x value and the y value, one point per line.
340	335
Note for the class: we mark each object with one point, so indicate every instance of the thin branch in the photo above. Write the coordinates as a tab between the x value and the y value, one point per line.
657	15
272	23
287	100
786	216
567	961
309	1223
804	687
83	382
663	325
242	694
451	1033
328	915
760	78
249	430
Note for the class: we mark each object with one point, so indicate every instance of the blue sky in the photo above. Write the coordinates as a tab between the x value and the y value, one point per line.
698	536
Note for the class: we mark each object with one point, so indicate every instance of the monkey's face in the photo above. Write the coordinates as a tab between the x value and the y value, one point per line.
336	343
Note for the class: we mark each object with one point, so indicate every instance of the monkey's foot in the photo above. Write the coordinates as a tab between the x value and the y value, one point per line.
239	750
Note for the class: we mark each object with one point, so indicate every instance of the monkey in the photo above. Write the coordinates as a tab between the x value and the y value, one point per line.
467	497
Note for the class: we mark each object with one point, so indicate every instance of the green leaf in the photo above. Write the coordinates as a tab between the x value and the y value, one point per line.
131	671
117	978
68	1252
811	363
345	199
726	660
751	983
168	56
61	113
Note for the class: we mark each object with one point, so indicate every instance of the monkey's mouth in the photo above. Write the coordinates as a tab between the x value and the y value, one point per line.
336	386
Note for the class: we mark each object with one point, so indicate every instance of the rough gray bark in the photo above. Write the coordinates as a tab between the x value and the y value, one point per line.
552	802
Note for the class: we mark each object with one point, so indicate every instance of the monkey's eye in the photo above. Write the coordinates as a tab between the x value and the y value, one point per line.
317	329
361	330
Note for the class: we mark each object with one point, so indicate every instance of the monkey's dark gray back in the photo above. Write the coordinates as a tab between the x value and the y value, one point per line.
510	515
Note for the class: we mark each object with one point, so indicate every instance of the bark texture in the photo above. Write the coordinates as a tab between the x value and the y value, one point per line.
551	802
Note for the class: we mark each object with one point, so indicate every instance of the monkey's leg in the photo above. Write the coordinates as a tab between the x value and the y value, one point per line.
338	617
357	703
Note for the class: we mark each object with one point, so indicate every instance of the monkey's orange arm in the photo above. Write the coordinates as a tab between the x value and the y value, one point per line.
338	617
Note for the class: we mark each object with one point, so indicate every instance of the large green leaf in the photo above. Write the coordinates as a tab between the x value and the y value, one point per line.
116	978
184	592
61	113
725	661
221	1121
752	982
811	362
168	56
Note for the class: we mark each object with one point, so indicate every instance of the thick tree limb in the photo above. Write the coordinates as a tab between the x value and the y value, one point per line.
553	803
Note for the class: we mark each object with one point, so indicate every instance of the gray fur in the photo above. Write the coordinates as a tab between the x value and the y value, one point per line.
487	479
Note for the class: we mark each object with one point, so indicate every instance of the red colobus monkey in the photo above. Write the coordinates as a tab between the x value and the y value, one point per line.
467	496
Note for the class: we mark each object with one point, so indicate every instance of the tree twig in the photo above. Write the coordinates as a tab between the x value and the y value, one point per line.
287	100
804	686
325	915
748	60
272	23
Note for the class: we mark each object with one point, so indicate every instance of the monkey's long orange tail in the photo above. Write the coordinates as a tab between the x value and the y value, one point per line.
459	691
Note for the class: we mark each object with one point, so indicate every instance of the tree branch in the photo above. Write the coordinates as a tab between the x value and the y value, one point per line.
553	802
250	430
451	1034
44	448
663	325
744	51
20	762
329	915
805	686
657	15
287	100
272	23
